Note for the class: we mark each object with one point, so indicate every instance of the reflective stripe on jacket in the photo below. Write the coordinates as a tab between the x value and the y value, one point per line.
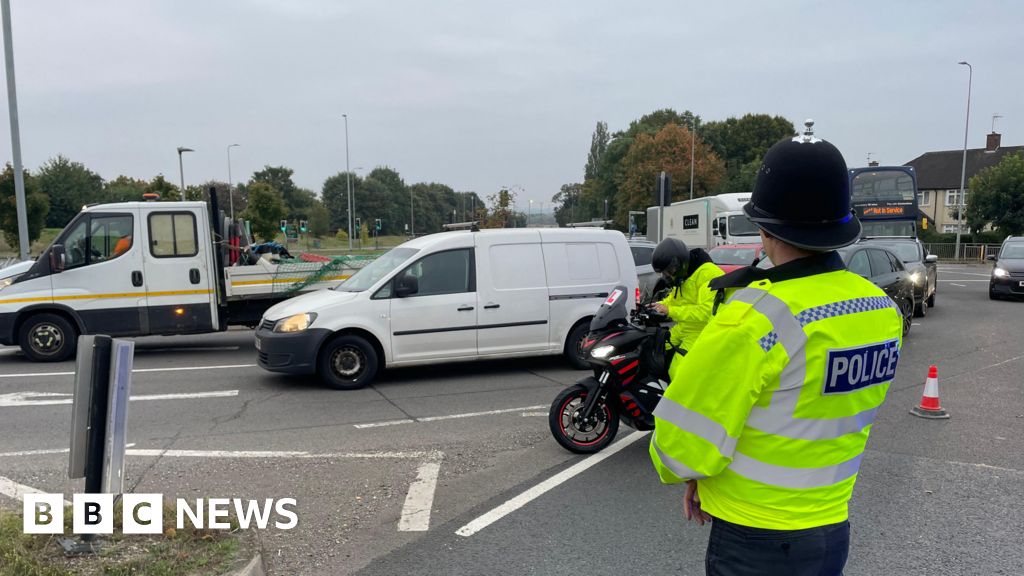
690	305
771	409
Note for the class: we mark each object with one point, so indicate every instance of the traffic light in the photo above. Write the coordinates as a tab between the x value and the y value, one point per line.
302	226
377	224
284	225
358	223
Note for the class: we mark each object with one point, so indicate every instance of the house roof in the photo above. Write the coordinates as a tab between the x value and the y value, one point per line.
941	170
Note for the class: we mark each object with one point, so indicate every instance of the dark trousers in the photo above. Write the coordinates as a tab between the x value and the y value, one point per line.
735	550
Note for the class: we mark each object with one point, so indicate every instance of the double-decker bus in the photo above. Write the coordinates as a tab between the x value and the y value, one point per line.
885	200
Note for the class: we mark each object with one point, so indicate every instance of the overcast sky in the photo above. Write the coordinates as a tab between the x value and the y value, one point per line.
479	94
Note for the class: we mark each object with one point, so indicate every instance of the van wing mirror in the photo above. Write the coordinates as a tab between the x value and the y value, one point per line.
407	285
58	261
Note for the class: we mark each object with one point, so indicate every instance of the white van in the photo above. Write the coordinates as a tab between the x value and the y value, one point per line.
452	296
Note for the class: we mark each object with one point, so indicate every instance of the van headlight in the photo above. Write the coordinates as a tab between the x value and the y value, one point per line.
1000	273
295	322
602	351
6	282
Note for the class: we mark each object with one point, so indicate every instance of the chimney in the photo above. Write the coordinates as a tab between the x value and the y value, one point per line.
992	142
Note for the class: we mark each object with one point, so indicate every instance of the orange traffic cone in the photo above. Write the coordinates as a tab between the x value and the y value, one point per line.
930	407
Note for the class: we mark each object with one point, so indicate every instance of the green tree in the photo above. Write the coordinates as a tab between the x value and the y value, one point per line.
124	189
598	145
69	185
386	197
297	200
168	192
319	219
567	200
266	208
997	196
669	150
334	195
742	141
36	207
500	211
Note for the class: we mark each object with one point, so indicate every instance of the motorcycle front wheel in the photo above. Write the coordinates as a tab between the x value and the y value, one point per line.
572	431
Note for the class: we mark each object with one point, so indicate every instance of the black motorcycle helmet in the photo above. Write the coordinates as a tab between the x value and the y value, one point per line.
802	195
671	259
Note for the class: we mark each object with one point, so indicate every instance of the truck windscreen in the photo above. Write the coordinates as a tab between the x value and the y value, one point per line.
740	226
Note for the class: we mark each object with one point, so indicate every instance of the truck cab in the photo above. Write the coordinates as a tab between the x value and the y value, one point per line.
125	269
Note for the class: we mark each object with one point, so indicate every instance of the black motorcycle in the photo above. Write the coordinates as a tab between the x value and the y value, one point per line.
630	362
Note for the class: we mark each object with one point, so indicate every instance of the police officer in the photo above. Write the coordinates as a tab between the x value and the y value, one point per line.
767	416
690	301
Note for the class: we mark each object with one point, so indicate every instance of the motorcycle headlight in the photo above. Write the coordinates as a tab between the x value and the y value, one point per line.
295	323
1000	273
602	351
915	277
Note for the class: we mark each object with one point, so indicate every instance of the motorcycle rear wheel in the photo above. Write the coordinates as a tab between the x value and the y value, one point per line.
574	434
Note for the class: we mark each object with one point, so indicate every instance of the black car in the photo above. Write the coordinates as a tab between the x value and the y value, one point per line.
1008	273
882	267
921	266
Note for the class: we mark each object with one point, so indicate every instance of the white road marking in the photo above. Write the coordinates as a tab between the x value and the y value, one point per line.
960	285
530	414
140	370
533	493
446	417
29	398
966	273
420	498
385	423
961	280
12	489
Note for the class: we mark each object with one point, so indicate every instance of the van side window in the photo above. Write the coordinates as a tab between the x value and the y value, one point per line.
173	234
449	272
517	266
98	239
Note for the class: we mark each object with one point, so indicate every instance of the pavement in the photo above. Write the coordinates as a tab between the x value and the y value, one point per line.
451	469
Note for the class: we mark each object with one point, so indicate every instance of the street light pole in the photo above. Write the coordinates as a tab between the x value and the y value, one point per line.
963	165
693	151
12	105
231	194
348	179
181	168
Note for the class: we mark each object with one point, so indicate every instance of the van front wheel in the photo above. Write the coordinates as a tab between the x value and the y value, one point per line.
574	346
48	338
347	363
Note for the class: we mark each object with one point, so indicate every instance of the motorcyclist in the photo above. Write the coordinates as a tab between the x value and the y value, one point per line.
689	304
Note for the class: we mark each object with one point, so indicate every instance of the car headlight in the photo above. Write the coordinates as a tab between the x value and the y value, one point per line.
602	351
915	277
1000	273
295	323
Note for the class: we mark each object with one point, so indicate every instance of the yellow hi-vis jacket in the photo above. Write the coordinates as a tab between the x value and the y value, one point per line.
689	306
771	409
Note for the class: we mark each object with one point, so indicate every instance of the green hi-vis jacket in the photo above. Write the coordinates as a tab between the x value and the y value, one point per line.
690	305
771	409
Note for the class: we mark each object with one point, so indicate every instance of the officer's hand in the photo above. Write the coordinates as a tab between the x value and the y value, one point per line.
659	308
691	505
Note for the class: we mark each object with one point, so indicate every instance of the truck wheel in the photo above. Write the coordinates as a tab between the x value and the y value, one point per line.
347	363
48	338
574	346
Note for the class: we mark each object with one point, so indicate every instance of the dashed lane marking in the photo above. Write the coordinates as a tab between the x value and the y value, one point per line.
446	417
140	370
57	398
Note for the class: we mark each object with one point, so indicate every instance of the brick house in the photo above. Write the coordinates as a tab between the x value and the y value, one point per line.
938	178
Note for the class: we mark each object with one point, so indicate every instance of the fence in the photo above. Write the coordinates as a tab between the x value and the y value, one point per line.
968	252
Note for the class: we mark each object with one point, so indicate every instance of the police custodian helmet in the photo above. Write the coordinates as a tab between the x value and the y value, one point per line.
802	195
671	259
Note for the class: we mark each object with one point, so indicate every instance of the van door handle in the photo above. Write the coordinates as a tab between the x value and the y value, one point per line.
193	275
492	306
465	308
136	278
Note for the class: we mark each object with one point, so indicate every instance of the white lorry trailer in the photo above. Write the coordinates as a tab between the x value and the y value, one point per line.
705	222
143	268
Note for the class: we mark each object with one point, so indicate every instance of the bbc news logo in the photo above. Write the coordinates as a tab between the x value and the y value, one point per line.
144	513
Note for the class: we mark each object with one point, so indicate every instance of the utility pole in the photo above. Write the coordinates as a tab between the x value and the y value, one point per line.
348	179
12	105
963	166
